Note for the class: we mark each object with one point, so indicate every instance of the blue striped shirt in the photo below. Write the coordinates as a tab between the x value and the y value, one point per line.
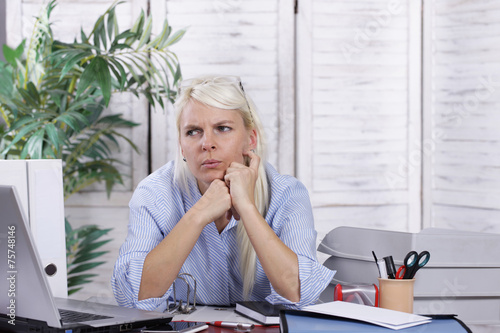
158	204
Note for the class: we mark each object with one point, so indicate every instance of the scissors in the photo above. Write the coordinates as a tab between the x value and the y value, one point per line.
412	263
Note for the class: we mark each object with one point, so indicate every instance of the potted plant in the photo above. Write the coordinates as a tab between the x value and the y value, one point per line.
53	97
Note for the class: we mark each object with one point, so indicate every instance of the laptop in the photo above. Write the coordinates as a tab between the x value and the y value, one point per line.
27	303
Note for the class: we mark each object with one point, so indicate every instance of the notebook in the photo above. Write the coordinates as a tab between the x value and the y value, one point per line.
261	311
30	306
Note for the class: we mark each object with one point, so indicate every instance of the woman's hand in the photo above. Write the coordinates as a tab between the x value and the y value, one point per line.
215	202
241	182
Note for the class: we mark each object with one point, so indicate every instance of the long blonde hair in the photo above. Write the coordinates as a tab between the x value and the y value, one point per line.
226	92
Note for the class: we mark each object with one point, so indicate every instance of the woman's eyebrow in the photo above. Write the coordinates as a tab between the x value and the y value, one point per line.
218	123
223	122
190	127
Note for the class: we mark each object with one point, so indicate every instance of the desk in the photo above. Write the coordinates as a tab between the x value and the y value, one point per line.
206	314
257	329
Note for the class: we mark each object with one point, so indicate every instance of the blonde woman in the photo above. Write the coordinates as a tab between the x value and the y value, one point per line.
220	213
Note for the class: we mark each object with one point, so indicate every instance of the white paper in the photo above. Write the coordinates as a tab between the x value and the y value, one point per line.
382	317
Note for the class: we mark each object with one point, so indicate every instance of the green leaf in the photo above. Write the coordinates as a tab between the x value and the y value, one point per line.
87	256
33	147
58	57
134	77
75	279
25	130
112	25
125	34
83	36
11	55
117	121
74	290
80	104
85	267
146	33
93	236
98	71
102	33
33	92
177	75
69	119
21	122
104	80
28	98
67	226
6	83
136	148
136	28
53	136
97	32
93	246
118	47
71	62
122	77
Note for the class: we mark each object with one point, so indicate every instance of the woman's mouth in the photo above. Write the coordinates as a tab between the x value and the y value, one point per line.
210	164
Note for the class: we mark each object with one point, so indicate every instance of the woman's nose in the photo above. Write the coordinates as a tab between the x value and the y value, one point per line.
208	143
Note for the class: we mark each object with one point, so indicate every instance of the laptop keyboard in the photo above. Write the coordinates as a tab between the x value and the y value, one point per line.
68	316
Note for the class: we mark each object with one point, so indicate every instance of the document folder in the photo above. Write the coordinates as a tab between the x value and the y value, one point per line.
293	321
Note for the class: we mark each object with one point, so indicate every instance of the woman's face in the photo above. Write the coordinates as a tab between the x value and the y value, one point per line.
211	139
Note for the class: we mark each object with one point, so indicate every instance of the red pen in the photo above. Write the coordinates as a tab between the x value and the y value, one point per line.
231	324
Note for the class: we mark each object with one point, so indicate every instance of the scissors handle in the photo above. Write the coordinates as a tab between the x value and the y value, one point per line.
414	261
401	272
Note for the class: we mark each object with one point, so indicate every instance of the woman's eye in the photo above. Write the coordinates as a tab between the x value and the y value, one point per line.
192	132
223	128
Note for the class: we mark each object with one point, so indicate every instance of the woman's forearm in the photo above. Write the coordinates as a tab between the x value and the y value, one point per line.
279	262
163	263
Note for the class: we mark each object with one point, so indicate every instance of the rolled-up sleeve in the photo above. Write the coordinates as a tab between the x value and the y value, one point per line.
143	235
293	222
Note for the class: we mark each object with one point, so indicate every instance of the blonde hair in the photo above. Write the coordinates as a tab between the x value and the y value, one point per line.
226	92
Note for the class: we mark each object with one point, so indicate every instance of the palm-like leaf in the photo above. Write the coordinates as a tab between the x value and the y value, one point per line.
81	246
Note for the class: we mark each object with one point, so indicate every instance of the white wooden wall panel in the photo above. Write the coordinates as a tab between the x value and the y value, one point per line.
358	111
462	98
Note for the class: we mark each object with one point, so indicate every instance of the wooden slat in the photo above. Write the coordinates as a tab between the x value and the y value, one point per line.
467	218
479	200
362	198
286	75
304	84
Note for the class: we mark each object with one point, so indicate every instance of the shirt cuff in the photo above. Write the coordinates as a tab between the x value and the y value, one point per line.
314	278
132	282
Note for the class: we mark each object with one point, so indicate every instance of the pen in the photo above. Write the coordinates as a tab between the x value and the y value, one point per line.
374	256
391	268
382	270
231	324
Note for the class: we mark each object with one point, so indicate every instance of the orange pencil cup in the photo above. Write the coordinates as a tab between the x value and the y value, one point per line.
396	294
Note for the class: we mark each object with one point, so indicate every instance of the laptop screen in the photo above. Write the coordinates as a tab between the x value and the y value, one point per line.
26	287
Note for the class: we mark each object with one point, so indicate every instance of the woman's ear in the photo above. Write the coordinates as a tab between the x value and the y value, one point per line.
252	143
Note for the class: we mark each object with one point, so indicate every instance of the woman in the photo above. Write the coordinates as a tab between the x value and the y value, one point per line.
219	213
